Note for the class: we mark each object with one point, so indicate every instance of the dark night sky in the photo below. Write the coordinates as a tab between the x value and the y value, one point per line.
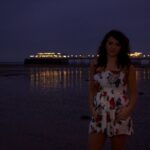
72	26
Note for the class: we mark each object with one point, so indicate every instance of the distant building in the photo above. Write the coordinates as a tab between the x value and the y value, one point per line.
47	58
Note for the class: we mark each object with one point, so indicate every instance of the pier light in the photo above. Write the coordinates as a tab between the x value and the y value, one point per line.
92	55
76	56
88	55
71	55
136	54
51	53
64	56
144	56
31	56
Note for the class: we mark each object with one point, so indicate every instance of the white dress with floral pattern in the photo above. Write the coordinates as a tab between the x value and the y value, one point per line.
112	95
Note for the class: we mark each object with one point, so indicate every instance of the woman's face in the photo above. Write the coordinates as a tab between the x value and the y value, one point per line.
112	46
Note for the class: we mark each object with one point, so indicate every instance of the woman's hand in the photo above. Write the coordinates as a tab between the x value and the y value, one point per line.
123	113
93	112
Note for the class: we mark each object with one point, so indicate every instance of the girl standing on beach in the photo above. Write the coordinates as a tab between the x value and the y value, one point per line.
112	93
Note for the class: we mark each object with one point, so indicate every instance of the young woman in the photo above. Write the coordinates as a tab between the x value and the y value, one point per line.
112	93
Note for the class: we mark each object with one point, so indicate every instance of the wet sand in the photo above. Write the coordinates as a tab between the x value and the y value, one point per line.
45	108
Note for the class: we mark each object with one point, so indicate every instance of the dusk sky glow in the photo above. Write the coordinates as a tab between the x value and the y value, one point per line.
69	26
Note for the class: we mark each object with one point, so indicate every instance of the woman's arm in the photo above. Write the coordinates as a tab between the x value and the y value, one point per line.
92	87
124	112
132	87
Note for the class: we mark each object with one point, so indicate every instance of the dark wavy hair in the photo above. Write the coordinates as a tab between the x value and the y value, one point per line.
123	58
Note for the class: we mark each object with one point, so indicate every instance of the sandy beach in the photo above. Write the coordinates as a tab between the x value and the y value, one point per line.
45	108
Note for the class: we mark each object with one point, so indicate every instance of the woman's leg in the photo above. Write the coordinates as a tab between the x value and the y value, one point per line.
96	141
118	142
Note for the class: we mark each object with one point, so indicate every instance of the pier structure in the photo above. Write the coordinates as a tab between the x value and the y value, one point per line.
137	58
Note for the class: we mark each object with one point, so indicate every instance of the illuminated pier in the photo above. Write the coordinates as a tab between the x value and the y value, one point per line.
47	58
137	58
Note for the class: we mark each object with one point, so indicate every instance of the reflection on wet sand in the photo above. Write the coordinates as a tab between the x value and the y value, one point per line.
68	77
146	74
142	75
55	77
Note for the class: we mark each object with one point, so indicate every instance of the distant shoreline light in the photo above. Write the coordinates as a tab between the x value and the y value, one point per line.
59	55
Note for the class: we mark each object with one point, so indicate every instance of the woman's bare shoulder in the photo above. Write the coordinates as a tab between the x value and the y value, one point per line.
129	68
94	64
99	69
132	69
131	73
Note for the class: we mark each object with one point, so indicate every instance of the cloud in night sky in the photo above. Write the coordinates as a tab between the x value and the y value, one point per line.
69	26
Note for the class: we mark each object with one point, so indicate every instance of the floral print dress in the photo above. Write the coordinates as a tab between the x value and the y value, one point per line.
111	96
